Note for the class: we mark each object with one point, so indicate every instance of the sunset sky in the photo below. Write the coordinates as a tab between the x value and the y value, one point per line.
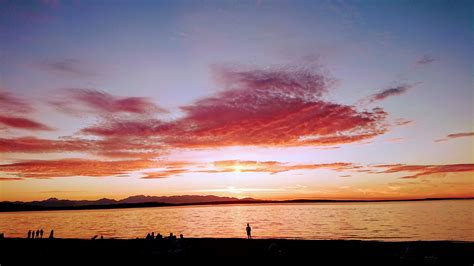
263	99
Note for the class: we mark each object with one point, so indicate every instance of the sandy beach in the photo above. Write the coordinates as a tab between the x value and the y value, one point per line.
342	251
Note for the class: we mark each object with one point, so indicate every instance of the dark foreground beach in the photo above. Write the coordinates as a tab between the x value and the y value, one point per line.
418	252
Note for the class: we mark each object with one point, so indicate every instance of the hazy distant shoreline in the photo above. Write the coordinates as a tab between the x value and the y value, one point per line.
25	206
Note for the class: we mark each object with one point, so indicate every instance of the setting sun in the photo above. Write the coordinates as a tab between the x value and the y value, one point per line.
237	168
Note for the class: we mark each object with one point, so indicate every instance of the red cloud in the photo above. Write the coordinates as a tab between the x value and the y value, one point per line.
258	108
74	167
127	128
22	123
11	106
103	103
425	170
111	147
36	145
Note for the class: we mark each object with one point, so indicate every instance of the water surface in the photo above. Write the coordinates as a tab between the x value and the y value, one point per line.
388	221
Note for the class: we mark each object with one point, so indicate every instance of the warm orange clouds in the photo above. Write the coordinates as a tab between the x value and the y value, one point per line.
272	167
164	173
73	167
164	169
426	170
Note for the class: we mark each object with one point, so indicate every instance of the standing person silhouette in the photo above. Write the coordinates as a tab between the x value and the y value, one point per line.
249	231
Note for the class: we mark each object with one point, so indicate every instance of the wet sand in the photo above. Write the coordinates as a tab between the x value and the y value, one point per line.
345	251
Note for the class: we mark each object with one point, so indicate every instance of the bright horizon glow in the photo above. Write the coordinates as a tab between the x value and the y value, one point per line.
269	100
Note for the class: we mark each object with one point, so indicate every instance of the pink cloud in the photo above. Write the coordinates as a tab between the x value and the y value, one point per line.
258	108
22	123
77	100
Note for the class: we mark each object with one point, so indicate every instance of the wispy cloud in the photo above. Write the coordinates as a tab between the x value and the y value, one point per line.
424	170
82	100
67	66
12	103
392	91
13	112
272	167
42	169
111	147
455	136
425	59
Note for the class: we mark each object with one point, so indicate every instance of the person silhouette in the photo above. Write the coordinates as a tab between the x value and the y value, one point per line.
249	231
33	234
41	233
51	235
37	233
29	234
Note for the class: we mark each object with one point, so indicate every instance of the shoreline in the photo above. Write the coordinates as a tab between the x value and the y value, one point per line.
349	251
21	207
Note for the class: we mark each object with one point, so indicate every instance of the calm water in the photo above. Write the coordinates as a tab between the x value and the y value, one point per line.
389	221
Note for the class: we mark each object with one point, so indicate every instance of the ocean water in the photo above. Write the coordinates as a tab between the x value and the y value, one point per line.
386	221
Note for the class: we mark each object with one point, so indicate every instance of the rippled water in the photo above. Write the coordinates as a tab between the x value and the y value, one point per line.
389	221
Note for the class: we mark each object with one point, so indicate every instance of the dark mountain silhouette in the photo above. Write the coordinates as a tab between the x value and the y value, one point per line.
133	201
185	199
160	201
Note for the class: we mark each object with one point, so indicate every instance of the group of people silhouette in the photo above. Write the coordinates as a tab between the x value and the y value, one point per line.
159	236
39	234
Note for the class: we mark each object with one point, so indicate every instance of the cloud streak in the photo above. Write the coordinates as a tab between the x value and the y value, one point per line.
425	170
13	110
80	100
455	136
425	59
393	91
67	66
112	147
23	123
40	169
12	103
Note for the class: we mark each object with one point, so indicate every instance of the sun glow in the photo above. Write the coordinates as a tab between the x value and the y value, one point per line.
237	168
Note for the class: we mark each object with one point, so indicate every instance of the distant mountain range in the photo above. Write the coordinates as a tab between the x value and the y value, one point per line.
158	201
132	201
